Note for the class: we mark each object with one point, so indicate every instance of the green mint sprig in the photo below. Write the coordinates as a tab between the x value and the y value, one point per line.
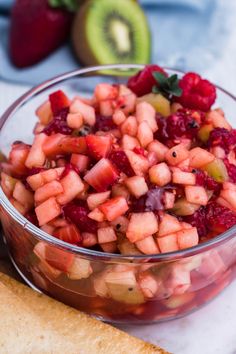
70	5
167	86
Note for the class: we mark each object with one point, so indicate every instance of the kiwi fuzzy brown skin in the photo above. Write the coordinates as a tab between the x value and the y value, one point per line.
82	50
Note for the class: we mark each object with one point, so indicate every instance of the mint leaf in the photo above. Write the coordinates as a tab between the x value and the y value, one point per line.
70	5
167	86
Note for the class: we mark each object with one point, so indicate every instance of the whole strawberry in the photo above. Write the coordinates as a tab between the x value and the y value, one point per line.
38	27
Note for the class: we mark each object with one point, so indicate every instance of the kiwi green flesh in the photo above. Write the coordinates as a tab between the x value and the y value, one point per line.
112	32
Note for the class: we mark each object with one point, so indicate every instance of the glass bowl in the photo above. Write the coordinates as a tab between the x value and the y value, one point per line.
116	288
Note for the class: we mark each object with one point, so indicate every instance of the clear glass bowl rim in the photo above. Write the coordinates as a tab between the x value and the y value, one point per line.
43	236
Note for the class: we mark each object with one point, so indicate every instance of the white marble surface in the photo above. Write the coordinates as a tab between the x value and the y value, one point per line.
211	330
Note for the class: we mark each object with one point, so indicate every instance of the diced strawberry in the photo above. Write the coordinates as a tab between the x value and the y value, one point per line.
106	234
48	190
47	211
44	113
200	157
129	126
147	245
74	120
177	154
196	195
36	156
160	174
120	160
168	243
73	145
159	149
187	238
17	157
88	112
102	175
168	225
139	164
7	184
96	215
114	208
51	145
72	186
69	234
146	113
58	101
95	199
98	146
78	215
23	195
137	186
141	225
186	178
80	161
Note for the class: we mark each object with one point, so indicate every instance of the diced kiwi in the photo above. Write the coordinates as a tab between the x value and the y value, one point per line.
110	32
159	102
183	208
217	170
204	132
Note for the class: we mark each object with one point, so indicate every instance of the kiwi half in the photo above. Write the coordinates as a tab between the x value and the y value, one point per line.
111	32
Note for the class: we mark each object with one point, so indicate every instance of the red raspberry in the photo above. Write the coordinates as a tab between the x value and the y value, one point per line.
143	81
78	214
202	179
120	160
231	170
219	219
58	124
197	93
223	138
104	124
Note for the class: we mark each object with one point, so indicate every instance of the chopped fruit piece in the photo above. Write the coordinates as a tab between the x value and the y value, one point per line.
114	208
147	245
143	81
204	132
182	207
106	234
149	285
197	93
123	287
58	101
138	163
36	156
120	160
80	269
228	195
109	247
89	239
51	145
102	175
78	215
159	149
141	225
17	157
152	158
168	243
187	238
196	195
8	184
74	120
44	113
129	126
47	211
76	145
218	120
120	224
39	179
169	200
119	190
105	91
144	134
200	157
80	161
23	195
48	190
179	279
177	154
96	215
126	247
217	170
69	234
186	178
87	112
58	124
146	113
160	103
129	142
177	301
160	174
72	186
95	199
118	117
98	146
168	225
137	186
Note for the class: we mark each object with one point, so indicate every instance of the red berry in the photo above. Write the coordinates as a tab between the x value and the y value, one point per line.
58	124
59	101
222	137
202	179
139	151
198	220
104	124
143	81
120	160
68	167
78	215
219	218
231	170
197	93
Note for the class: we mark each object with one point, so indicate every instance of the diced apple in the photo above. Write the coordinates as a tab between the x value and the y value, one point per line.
106	234
177	301
118	117
80	161
47	211
159	149
186	178
96	215
187	238
144	134
148	285
23	195
74	120
169	200
39	179
160	174
137	186
230	197
73	145
95	199
218	120
113	208
36	155
79	269
168	243
147	245
109	247
129	126
200	157
48	190
141	225
179	280
72	186
139	163
146	113
168	225
44	113
160	103
196	195
89	239
177	154
88	112
22	209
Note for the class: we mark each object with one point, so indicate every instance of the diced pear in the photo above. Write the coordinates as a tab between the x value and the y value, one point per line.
183	208
204	132
159	102
217	170
123	287
80	269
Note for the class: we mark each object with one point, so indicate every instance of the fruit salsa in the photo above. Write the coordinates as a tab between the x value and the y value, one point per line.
138	169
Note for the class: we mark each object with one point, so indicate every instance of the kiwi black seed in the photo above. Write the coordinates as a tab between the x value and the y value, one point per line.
110	32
